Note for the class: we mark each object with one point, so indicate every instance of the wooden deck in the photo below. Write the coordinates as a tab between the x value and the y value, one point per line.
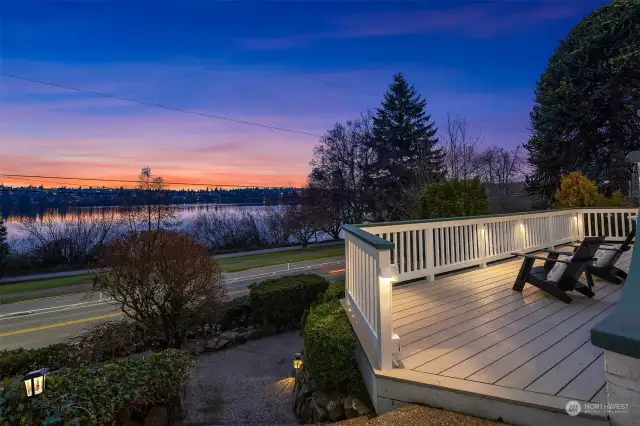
472	330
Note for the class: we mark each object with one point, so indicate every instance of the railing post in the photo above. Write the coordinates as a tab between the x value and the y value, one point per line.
429	254
482	245
579	225
385	324
550	233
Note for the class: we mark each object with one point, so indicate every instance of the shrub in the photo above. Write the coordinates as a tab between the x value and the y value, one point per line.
164	280
235	313
281	302
94	395
335	291
576	190
454	198
20	361
329	344
101	342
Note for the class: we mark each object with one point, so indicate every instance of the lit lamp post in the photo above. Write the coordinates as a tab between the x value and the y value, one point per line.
34	381
297	364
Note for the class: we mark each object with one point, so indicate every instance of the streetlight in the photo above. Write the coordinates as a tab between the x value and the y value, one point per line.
34	381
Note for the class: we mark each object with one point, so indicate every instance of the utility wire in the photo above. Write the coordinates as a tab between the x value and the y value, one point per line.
137	181
152	104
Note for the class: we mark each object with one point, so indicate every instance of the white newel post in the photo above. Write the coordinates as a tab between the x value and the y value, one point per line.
386	275
482	244
429	250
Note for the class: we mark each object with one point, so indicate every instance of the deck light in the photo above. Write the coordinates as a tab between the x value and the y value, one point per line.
34	381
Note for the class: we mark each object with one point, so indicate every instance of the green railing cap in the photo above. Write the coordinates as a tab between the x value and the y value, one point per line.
371	239
620	331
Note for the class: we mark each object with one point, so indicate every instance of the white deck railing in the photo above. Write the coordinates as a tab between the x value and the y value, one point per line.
424	248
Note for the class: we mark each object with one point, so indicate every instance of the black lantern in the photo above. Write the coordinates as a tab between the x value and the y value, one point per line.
34	381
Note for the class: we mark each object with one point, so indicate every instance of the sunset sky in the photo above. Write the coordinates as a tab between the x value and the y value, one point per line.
252	61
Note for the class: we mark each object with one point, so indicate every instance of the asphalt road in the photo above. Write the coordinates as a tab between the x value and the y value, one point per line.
41	322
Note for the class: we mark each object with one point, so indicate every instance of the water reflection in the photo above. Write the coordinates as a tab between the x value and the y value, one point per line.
186	213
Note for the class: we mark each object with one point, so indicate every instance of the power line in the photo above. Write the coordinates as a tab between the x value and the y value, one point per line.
137	181
308	77
152	104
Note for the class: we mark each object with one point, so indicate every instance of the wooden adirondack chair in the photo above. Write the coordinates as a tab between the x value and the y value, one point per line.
607	269
567	279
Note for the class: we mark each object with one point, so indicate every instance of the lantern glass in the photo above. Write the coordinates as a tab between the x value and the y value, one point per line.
297	363
27	384
38	385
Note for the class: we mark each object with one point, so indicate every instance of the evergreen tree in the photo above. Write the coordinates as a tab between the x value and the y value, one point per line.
4	246
405	145
584	118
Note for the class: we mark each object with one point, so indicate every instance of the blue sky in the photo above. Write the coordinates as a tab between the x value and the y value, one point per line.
254	61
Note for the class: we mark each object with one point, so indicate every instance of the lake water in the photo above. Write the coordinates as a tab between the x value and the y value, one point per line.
186	214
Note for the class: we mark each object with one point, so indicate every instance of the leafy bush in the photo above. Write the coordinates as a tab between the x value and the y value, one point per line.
329	344
455	198
235	313
94	395
335	291
20	361
101	342
576	190
281	302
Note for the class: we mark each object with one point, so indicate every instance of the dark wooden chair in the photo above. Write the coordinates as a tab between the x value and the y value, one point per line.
570	278
608	271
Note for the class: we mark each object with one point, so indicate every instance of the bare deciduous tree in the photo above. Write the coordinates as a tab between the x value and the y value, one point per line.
341	171
156	211
164	280
70	240
223	229
301	222
461	148
500	167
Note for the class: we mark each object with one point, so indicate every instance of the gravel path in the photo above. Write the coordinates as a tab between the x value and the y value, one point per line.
248	384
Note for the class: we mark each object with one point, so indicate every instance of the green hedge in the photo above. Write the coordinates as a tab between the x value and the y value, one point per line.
101	342
335	291
281	302
329	344
20	361
235	313
94	395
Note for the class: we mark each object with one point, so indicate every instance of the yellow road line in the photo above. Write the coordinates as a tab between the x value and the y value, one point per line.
60	324
337	271
238	292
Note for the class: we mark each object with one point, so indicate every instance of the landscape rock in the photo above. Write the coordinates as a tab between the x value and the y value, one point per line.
347	405
222	343
157	416
211	344
195	347
332	402
320	414
230	336
241	338
179	411
360	407
306	414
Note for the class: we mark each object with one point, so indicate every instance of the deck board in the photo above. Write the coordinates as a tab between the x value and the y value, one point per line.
472	326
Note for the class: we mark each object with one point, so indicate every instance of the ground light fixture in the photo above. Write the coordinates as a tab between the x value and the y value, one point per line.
34	381
297	362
